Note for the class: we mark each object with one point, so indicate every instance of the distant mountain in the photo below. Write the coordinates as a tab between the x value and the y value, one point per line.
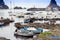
2	2
36	9
53	4
18	7
2	5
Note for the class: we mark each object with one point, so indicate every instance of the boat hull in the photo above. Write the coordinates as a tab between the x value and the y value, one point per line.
24	35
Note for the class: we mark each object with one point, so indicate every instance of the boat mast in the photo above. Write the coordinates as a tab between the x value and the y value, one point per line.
10	5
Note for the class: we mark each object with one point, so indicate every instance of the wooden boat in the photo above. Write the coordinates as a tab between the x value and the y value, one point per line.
18	25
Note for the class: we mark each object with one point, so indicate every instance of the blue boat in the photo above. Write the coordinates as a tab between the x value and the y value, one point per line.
28	31
26	20
38	30
24	33
34	30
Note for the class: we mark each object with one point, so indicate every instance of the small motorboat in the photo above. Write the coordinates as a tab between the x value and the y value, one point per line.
33	29
11	19
26	20
24	33
1	23
28	31
20	16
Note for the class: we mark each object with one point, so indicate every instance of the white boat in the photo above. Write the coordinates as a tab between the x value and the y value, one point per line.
28	31
1	23
23	33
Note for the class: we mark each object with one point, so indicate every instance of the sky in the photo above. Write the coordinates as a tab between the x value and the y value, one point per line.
29	3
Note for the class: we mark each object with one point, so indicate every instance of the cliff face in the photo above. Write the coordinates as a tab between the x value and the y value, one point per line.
18	7
2	5
1	2
53	4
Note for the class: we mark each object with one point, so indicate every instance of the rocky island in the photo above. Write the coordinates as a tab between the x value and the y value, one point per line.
53	4
19	7
2	5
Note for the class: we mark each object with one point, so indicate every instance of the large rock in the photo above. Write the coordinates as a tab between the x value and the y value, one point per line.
2	5
53	4
1	2
18	7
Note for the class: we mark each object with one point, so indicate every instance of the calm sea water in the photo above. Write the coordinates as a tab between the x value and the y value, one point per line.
8	31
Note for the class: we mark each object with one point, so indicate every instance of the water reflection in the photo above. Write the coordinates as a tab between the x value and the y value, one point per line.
23	38
8	31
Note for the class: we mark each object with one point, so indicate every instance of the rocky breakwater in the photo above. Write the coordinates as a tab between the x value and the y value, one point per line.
4	21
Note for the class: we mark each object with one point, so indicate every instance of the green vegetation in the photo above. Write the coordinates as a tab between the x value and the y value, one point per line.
44	34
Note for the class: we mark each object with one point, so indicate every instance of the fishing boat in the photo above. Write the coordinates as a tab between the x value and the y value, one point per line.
20	15
24	33
28	31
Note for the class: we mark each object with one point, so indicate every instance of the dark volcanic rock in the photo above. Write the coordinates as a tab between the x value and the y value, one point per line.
53	4
2	2
2	5
18	8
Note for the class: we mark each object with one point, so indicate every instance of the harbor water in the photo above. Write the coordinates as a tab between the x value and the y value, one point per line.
8	31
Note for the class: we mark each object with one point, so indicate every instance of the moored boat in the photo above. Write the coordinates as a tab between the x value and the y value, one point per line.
11	20
1	23
28	31
24	33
